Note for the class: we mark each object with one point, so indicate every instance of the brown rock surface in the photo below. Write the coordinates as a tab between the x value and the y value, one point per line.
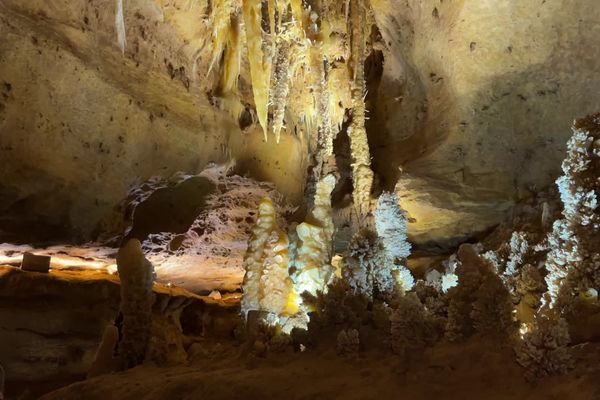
51	324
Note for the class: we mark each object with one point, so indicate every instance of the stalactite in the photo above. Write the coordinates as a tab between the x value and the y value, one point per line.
120	25
359	145
260	61
231	70
281	88
220	20
282	70
325	134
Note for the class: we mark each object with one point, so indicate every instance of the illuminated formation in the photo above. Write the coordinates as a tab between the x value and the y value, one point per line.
390	223
267	285
314	248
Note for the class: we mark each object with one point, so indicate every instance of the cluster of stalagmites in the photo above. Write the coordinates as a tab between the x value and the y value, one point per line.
279	271
524	293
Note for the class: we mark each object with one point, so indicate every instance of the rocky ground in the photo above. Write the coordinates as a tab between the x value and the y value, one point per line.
477	369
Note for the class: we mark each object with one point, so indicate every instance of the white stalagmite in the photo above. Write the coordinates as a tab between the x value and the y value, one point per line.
120	25
573	262
313	257
390	222
275	294
313	263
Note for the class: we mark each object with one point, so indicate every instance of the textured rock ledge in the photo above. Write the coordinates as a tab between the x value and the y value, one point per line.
51	324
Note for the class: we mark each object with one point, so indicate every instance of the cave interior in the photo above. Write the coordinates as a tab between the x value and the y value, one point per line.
325	199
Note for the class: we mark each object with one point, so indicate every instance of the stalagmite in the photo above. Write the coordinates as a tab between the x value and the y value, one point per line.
275	283
313	263
267	284
390	223
104	361
137	277
1	383
359	146
314	252
265	224
573	262
322	214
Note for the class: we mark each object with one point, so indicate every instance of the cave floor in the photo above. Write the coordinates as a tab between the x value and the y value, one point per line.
187	272
477	369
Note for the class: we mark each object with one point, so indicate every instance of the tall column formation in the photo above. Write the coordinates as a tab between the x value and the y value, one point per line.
137	277
359	145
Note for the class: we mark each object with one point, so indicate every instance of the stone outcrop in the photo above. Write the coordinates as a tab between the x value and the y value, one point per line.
137	276
52	324
474	104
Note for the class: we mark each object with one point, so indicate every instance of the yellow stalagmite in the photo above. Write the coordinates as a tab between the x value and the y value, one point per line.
253	262
322	214
267	285
275	282
359	145
260	61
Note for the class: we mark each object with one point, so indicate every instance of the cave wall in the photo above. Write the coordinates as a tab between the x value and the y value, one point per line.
80	122
470	114
475	104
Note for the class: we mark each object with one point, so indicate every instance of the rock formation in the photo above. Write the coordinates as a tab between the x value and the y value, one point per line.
105	360
573	262
267	285
137	277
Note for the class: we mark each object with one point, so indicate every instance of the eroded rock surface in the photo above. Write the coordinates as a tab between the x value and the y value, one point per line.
475	103
473	100
52	324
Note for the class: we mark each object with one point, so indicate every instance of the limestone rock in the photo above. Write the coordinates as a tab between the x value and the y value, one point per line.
35	263
137	276
104	360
